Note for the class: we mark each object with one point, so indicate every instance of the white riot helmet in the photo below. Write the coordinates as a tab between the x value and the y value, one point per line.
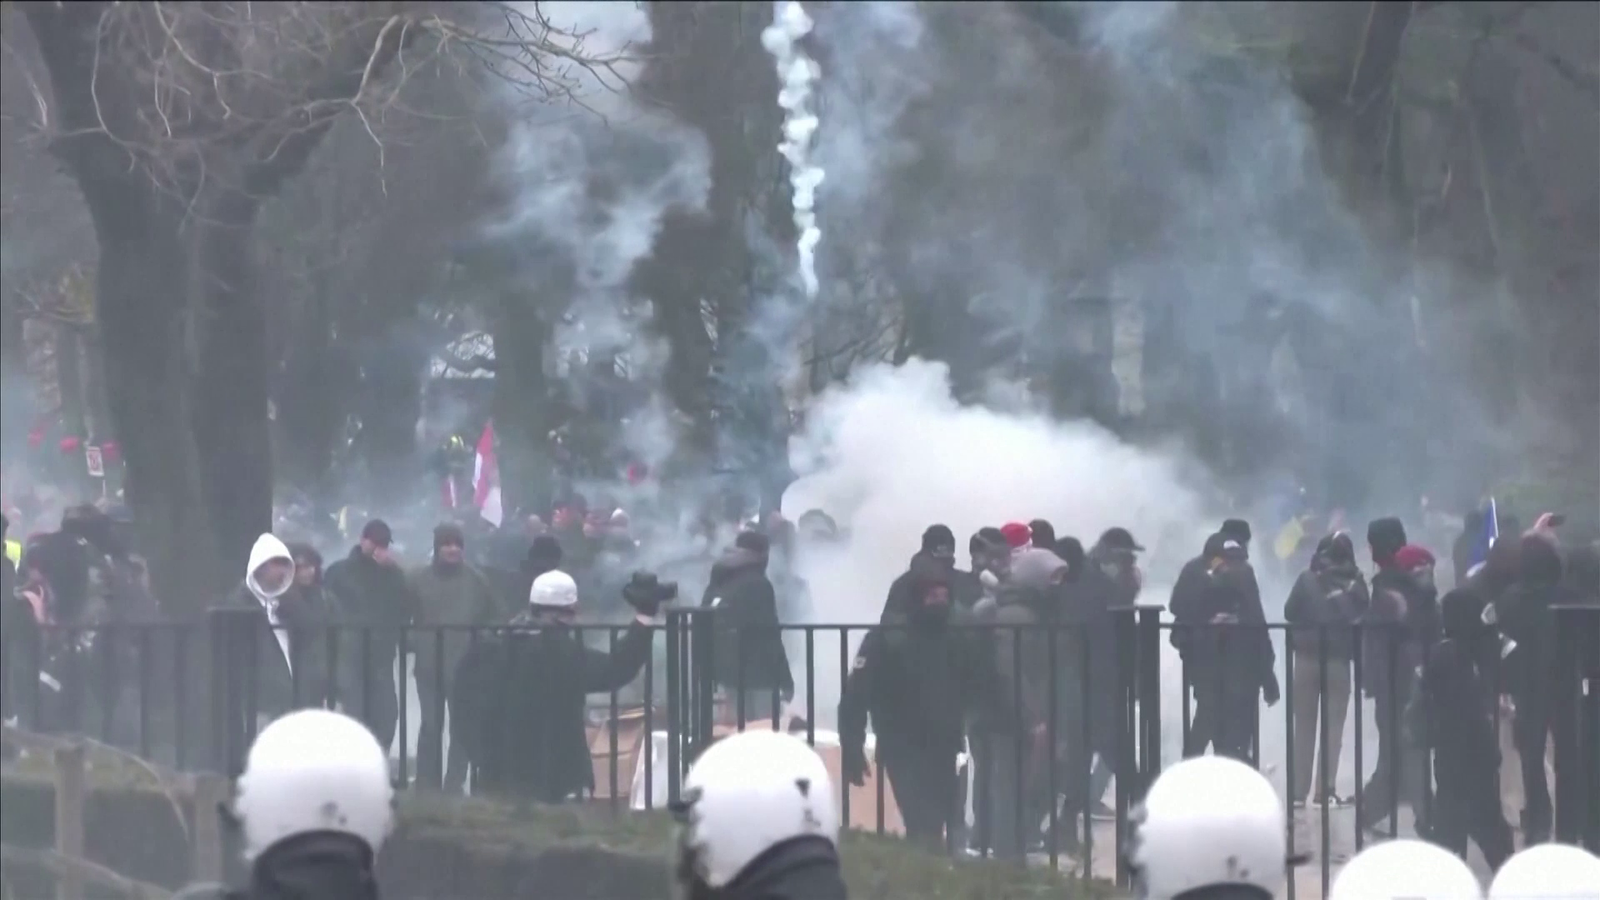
1548	872
1415	870
314	770
746	794
554	590
1208	822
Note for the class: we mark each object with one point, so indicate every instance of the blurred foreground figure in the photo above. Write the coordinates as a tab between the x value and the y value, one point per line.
1548	872
1211	828
1415	870
315	804
759	823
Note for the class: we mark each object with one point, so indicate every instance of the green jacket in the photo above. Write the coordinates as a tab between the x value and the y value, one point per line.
462	596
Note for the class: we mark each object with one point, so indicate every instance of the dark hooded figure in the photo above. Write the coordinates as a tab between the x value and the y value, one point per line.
916	679
1401	624
1025	617
1071	551
1326	602
1524	616
1239	530
1227	653
938	547
750	660
1454	716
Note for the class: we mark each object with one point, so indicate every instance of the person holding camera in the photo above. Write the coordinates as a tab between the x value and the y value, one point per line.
520	694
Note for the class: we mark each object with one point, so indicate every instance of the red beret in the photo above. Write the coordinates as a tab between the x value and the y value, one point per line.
1411	557
1016	534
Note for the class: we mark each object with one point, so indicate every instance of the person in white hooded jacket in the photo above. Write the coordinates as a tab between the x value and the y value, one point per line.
268	576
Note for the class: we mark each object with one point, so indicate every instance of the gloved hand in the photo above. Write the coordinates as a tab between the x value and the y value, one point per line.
853	766
1269	690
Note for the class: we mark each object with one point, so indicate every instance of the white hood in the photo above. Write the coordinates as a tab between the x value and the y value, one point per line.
267	548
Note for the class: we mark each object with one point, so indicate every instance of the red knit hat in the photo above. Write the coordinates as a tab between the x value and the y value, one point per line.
1411	557
1016	534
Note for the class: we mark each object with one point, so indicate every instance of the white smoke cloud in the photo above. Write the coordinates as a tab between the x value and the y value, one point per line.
797	73
892	453
590	180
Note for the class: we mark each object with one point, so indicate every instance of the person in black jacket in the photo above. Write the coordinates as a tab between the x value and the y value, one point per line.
939	548
916	680
1401	624
749	658
520	694
322	664
371	591
1524	615
1227	653
1326	602
1456	720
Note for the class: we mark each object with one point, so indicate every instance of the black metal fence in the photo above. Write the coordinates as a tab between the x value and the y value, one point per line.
193	694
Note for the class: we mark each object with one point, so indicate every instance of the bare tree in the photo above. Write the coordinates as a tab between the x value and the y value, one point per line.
178	122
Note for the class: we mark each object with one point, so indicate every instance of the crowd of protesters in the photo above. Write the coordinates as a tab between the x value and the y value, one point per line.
1034	701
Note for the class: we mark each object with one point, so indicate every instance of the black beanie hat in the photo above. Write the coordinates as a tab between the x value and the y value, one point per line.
1238	529
1384	538
1044	534
938	536
545	549
448	533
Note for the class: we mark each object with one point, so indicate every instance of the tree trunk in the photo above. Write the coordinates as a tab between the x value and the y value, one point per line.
522	337
312	398
140	293
231	427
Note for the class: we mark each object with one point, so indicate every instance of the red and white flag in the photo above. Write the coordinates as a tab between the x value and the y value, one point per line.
486	478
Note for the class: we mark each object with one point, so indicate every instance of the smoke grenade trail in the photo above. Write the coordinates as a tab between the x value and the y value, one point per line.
797	73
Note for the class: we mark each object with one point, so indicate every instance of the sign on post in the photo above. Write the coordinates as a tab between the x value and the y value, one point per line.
97	463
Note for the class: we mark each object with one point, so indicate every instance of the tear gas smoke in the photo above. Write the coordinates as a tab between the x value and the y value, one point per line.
589	182
969	187
797	73
891	453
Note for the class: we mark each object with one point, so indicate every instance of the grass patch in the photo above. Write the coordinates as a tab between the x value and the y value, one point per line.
451	848
876	866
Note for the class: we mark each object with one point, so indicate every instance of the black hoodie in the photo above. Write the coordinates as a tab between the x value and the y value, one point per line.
748	646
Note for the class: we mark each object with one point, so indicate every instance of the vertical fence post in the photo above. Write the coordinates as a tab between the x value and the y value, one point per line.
1149	695
231	631
677	694
1577	667
1125	640
702	651
69	765
210	793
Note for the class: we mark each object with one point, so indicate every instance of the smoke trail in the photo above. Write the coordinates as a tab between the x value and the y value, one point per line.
797	72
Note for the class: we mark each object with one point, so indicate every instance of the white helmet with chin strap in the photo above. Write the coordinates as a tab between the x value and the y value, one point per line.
314	770
1415	870
1548	872
1208	822
746	794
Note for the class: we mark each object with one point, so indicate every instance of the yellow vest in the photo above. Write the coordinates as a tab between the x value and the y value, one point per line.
14	552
